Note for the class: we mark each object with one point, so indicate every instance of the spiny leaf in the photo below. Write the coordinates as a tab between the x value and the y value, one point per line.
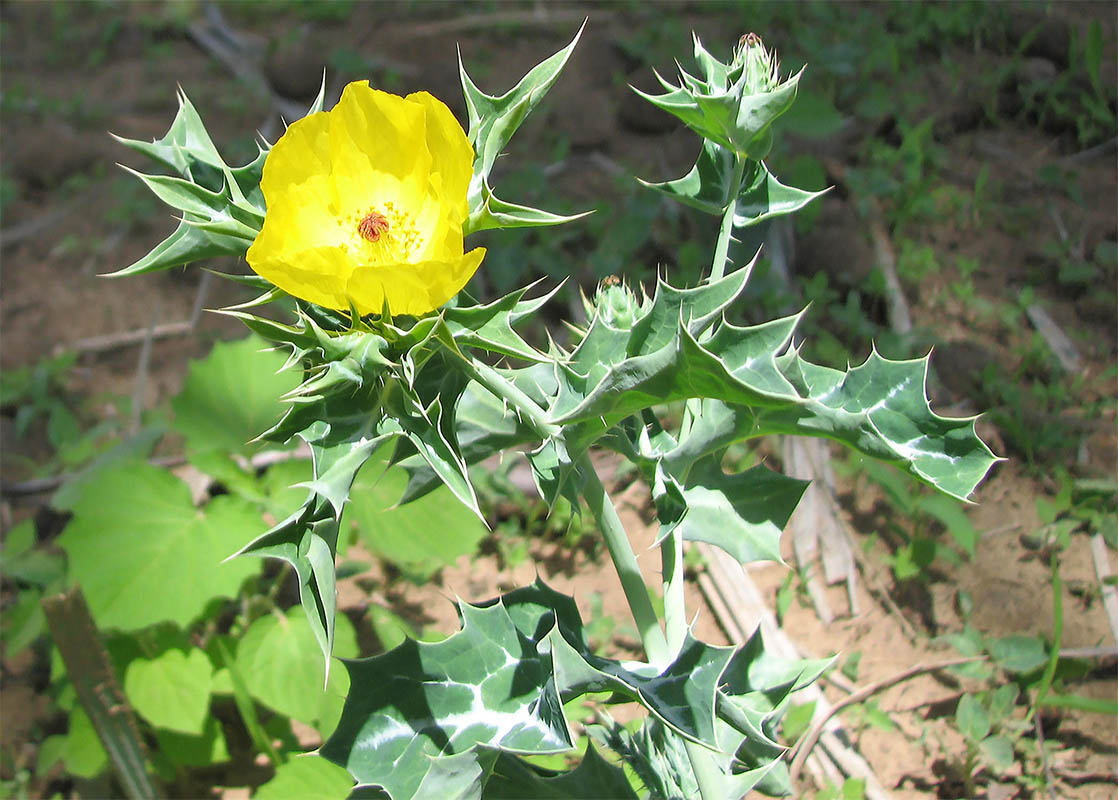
485	685
490	327
879	407
744	513
493	120
308	540
593	779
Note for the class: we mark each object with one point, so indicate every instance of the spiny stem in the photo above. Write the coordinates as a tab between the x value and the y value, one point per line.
707	773
625	561
675	603
722	248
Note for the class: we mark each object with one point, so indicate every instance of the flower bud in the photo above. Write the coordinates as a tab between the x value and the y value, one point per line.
734	104
615	304
757	64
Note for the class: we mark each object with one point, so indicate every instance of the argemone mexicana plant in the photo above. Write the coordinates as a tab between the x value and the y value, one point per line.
354	222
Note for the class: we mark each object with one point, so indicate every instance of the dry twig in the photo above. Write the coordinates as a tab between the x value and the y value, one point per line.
807	743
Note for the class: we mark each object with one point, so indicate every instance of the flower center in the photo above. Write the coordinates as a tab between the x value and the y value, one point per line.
373	226
385	234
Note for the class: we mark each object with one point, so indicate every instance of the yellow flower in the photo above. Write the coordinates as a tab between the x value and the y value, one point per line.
365	205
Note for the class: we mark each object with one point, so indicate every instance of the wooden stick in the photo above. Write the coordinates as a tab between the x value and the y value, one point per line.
538	16
1109	590
91	672
112	341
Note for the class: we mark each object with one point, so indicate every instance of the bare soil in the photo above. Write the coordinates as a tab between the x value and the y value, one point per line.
73	71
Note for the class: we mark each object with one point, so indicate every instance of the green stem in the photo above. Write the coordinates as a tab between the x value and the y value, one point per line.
717	270
505	389
708	776
725	233
675	603
625	561
1057	639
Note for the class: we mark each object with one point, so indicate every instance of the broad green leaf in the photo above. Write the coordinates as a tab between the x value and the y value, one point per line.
813	116
419	537
593	779
19	539
24	622
232	396
972	719
1018	653
485	685
171	690
283	486
143	553
997	751
83	754
51	751
201	750
307	776
281	664
390	628
134	448
854	789
36	567
797	720
1002	701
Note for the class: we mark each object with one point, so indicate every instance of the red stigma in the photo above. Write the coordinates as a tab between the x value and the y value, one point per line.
373	226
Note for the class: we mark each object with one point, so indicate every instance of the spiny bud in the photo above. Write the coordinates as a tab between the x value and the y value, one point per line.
615	304
758	65
731	104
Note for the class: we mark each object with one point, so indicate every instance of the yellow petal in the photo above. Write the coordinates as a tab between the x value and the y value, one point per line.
406	158
413	288
302	152
376	146
445	136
